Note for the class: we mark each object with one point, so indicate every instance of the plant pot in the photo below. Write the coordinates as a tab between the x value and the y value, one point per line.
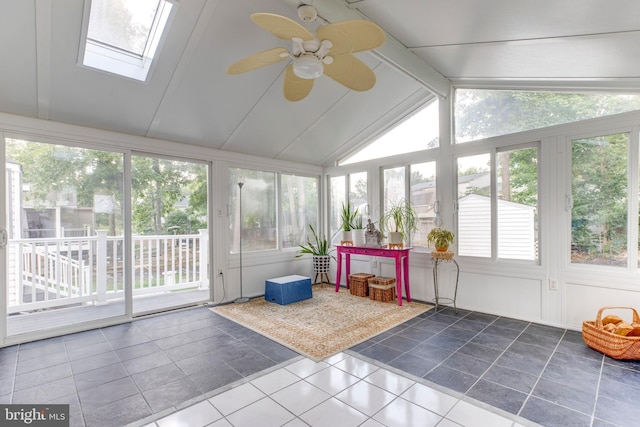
347	238
395	239
358	237
442	248
321	263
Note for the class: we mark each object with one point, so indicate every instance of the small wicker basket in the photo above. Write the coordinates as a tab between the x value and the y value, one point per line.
359	284
615	346
382	289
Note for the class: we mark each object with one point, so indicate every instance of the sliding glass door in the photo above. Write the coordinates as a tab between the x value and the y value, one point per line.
169	239
65	260
64	253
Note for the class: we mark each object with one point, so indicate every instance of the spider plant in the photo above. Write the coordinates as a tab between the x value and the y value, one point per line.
317	246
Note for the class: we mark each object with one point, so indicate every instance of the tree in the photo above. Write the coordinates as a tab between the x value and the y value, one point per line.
156	188
599	214
51	170
519	176
485	113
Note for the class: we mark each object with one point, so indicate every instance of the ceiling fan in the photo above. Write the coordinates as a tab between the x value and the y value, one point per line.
329	51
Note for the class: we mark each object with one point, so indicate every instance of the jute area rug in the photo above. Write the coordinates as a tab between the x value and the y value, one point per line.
323	325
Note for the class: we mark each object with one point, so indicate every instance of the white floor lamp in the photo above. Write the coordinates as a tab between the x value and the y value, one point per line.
241	299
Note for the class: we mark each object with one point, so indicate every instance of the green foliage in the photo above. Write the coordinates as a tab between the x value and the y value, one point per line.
186	223
318	246
440	237
523	176
157	185
156	188
197	189
485	113
50	170
401	218
599	188
348	216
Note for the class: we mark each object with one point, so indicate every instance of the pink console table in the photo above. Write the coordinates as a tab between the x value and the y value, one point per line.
402	263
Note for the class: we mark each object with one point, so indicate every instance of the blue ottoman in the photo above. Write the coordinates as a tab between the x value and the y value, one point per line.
287	289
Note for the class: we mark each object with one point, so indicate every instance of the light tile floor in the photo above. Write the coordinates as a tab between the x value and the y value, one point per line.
342	391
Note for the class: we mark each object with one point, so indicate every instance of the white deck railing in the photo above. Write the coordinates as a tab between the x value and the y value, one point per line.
54	272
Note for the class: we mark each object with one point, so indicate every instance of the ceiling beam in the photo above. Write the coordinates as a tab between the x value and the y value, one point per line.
392	51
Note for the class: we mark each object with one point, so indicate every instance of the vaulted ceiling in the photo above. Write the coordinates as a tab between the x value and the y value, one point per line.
554	44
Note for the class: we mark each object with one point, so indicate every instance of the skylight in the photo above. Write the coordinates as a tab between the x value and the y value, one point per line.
122	36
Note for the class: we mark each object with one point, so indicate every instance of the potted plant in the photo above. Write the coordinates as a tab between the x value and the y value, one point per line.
348	217
320	248
441	238
358	232
400	221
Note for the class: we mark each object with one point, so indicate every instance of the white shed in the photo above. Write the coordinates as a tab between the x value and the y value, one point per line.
516	228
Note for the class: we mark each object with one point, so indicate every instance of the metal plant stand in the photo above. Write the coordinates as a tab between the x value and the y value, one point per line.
437	258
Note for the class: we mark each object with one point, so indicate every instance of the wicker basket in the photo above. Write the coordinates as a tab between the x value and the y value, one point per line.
615	346
359	284
382	289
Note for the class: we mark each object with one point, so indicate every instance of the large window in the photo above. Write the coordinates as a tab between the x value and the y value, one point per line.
394	187
515	204
599	193
256	227
517	189
271	218
344	189
424	200
418	131
358	194
483	113
474	206
337	197
299	208
421	193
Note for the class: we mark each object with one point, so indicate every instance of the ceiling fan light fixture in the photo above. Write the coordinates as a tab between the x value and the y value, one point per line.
307	66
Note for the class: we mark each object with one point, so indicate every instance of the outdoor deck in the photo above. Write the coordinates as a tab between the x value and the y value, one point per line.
57	282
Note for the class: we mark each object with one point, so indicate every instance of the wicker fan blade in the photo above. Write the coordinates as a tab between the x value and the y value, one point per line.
296	88
352	36
258	60
350	72
281	26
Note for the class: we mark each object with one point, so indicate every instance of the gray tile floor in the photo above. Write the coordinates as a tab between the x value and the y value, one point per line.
121	374
116	375
544	374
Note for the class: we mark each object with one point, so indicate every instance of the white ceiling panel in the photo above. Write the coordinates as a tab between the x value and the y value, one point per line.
601	56
18	73
335	132
420	23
